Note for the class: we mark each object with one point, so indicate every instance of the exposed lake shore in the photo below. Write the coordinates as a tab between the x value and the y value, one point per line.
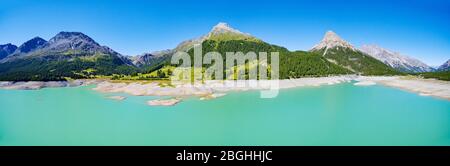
35	85
424	87
213	89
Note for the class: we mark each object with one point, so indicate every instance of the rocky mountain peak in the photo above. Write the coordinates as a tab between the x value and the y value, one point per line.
220	32
332	40
31	45
65	41
66	37
222	27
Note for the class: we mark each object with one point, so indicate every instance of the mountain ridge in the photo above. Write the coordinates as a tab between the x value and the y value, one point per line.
25	48
67	54
220	32
74	54
395	59
331	40
340	52
445	66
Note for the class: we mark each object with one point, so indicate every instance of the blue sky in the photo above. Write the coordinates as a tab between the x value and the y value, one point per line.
420	29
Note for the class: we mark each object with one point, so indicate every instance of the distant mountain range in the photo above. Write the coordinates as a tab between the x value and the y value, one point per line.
76	55
445	66
151	59
395	60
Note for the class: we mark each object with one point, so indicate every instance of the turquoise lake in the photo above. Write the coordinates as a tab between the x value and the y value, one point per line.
341	114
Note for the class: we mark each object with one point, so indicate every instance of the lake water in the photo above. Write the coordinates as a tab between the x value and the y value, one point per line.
341	114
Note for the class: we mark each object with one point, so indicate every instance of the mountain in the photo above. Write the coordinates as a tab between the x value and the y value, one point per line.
220	32
68	54
445	66
65	45
75	55
30	45
78	44
223	32
442	72
6	50
151	59
25	48
340	52
223	38
69	41
332	40
395	60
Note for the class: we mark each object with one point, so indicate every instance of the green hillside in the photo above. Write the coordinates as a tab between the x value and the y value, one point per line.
41	69
356	61
292	64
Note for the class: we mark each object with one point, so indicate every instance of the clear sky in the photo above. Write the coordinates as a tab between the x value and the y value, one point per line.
420	29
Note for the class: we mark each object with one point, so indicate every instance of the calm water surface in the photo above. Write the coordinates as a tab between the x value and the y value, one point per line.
341	114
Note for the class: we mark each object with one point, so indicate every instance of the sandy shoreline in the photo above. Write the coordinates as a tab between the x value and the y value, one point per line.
214	89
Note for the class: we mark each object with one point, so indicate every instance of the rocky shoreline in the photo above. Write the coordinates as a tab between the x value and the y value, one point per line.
35	85
214	89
